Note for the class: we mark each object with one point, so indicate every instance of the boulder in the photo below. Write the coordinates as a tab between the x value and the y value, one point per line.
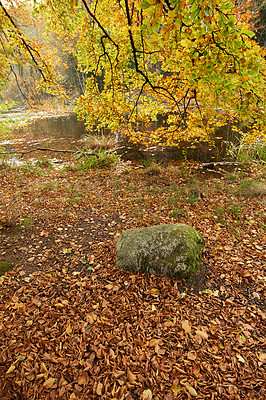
171	249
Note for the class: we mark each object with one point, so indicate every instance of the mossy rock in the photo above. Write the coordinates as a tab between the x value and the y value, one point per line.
172	250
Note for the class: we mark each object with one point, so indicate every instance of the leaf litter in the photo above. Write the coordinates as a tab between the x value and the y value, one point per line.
74	327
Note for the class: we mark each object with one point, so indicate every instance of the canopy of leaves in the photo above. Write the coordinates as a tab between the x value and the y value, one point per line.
195	62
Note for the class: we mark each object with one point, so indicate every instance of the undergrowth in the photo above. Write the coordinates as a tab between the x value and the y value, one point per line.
247	152
86	160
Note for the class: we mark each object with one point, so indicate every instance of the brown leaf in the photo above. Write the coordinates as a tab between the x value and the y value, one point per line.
196	370
153	342
131	377
191	355
202	334
83	379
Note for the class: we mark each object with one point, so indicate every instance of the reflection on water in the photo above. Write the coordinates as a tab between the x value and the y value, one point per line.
65	132
61	133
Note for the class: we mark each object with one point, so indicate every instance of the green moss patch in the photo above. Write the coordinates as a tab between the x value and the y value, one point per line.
5	266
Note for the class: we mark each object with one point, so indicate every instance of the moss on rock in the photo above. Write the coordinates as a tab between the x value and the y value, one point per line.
173	250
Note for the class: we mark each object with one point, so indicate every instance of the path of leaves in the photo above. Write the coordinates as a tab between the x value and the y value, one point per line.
74	327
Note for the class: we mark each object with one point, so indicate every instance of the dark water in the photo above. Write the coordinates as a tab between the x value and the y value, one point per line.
65	132
203	151
61	133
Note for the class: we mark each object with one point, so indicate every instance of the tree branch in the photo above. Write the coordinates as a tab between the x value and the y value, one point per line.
29	49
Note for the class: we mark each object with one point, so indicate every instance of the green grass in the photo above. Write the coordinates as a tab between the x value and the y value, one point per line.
247	152
101	159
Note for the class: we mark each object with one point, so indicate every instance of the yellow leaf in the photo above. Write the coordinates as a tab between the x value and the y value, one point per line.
49	383
91	318
68	329
240	358
11	369
262	357
191	390
147	395
186	326
99	388
175	389
30	376
59	305
43	368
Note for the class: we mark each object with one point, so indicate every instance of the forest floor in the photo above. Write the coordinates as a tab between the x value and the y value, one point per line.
72	326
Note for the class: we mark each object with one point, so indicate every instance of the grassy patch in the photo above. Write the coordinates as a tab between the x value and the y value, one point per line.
251	188
101	159
5	266
246	152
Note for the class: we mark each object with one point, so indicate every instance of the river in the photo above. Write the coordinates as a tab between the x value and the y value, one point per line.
65	132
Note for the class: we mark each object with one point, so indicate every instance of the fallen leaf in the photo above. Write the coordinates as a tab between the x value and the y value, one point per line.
262	358
82	380
30	376
43	368
99	389
68	330
91	318
191	390
153	342
49	383
147	395
202	334
11	369
191	355
131	377
186	326
176	389
240	358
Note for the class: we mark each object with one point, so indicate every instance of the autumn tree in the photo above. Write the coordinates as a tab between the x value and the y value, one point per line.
26	59
195	62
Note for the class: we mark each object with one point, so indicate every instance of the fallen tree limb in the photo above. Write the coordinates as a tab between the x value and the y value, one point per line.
22	153
214	164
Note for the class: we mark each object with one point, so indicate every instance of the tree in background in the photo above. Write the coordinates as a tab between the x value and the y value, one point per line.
194	62
28	63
